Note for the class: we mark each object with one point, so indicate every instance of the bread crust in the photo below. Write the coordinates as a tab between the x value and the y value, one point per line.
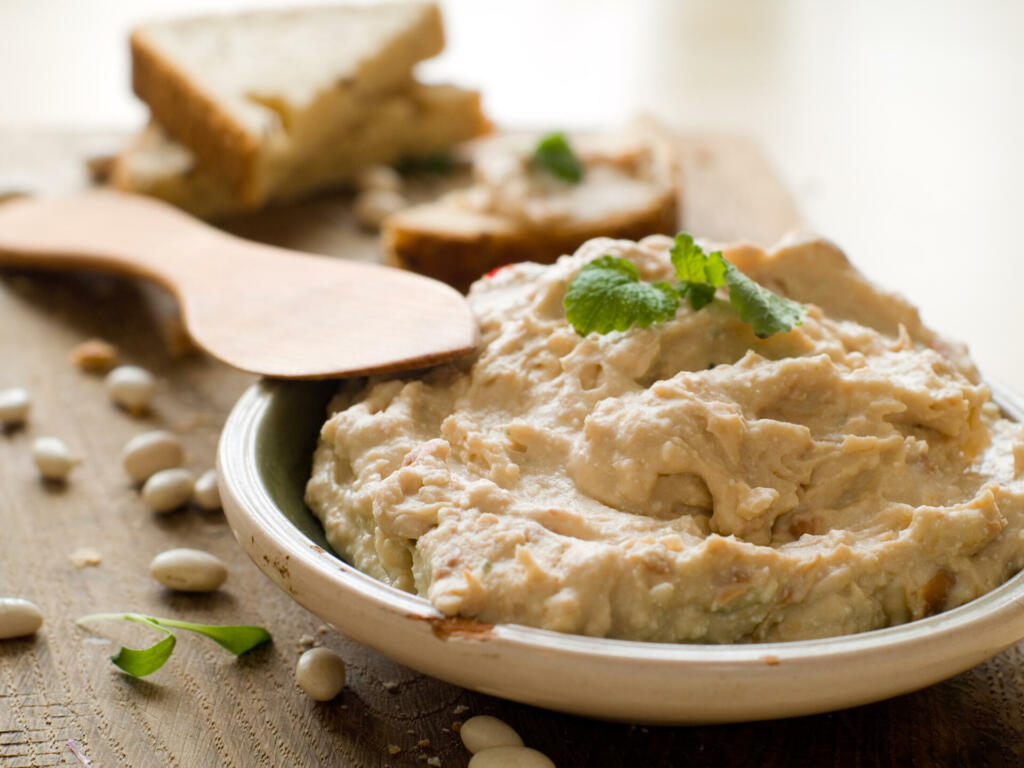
195	118
461	257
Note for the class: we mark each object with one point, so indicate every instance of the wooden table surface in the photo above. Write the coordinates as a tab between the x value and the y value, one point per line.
205	708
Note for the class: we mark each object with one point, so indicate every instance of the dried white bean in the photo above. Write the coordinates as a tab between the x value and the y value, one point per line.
188	570
320	673
131	387
485	732
146	454
510	757
379	177
374	205
52	457
168	489
18	617
15	404
206	493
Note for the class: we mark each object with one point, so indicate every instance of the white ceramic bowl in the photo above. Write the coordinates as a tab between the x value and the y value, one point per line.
264	458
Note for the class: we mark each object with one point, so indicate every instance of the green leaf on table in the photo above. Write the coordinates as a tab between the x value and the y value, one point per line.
554	155
140	662
238	638
607	295
144	661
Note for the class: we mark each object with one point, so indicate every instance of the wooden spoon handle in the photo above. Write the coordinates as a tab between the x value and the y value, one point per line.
108	231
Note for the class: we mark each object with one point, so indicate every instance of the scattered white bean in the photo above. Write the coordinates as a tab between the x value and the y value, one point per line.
188	570
52	457
206	494
485	732
374	205
510	757
379	177
320	673
131	387
168	489
146	454
15	404
18	617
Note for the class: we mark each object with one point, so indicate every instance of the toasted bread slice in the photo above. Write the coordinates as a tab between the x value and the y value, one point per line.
418	122
629	190
254	94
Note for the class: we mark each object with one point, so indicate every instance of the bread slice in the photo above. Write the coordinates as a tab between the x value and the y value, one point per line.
253	94
500	220
417	122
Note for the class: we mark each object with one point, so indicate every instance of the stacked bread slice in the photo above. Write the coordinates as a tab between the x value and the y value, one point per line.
270	106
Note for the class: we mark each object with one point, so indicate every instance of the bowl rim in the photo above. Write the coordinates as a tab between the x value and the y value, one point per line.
240	477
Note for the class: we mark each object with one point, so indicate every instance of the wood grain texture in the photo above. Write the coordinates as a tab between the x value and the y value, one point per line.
205	708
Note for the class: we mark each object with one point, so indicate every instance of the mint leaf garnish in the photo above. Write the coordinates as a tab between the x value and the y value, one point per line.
554	155
145	661
693	265
698	273
698	294
607	295
765	312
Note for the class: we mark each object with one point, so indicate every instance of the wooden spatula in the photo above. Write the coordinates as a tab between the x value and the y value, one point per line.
263	309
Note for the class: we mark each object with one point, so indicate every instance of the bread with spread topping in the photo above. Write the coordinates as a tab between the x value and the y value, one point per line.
516	211
257	94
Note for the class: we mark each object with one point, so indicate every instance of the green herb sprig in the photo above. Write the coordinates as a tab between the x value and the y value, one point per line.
140	662
554	155
608	295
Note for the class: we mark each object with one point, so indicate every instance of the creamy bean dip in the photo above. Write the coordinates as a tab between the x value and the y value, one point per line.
686	482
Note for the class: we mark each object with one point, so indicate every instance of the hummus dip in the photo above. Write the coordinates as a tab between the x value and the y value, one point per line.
686	482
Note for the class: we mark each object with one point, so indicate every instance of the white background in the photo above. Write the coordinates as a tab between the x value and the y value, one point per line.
898	125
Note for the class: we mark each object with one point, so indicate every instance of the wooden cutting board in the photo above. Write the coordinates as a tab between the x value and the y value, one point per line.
205	708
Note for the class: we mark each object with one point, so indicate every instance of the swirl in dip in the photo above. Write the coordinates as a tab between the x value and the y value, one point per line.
686	482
